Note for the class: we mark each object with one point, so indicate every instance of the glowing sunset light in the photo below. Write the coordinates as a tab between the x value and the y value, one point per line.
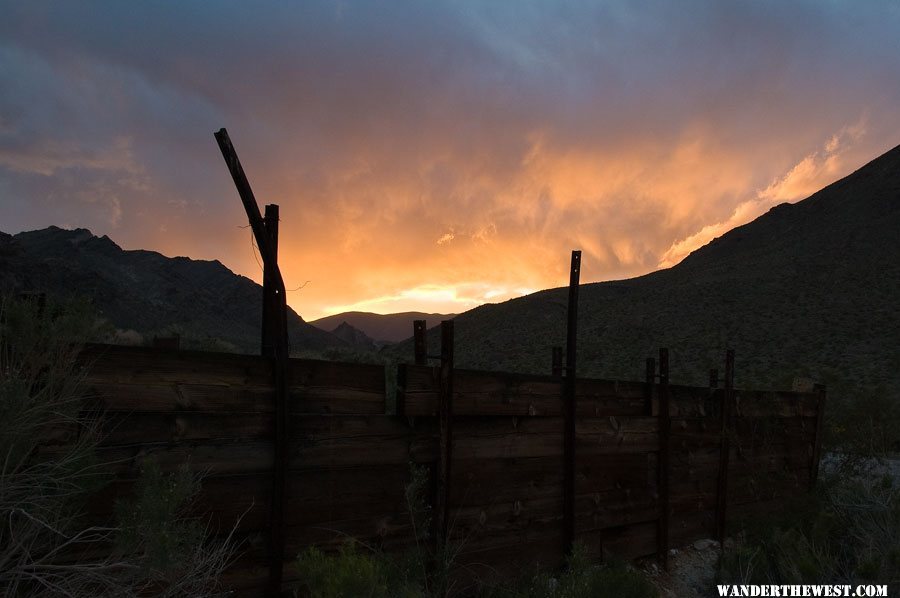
436	156
431	298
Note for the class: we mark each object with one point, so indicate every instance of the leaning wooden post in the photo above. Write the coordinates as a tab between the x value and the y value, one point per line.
445	416
280	361
419	344
817	442
569	407
270	299
726	423
556	367
662	537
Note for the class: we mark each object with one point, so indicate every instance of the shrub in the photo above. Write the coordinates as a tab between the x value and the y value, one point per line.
848	533
354	572
49	470
583	579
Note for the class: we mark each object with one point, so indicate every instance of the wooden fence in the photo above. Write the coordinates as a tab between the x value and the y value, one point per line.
500	466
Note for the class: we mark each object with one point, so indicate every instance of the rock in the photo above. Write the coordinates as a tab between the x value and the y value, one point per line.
673	552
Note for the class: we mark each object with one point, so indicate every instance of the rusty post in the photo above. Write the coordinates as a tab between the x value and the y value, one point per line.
270	303
726	415
556	368
279	363
419	342
663	471
445	416
569	406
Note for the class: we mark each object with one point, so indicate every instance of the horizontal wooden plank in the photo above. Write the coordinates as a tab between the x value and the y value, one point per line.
507	437
346	493
500	393
598	398
481	393
684	489
333	387
358	440
485	525
614	434
483	481
147	365
629	473
207	456
612	509
120	428
501	528
625	542
311	497
222	398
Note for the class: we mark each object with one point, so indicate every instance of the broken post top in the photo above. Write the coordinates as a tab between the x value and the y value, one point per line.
246	193
576	262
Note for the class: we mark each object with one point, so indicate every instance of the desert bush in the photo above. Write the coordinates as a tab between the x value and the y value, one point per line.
49	470
582	579
862	428
847	533
356	571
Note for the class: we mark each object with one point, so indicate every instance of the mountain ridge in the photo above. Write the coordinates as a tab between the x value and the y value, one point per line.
381	328
146	292
808	289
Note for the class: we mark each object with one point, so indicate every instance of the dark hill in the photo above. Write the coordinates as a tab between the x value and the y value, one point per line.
383	328
809	289
145	291
354	337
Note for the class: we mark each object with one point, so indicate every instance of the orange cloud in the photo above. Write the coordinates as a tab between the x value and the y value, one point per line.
436	155
810	174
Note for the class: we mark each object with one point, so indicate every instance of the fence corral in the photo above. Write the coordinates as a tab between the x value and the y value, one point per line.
349	461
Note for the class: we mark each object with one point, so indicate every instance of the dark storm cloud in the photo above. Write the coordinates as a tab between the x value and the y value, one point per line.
632	129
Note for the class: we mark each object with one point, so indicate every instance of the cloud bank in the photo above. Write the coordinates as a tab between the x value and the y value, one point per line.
445	153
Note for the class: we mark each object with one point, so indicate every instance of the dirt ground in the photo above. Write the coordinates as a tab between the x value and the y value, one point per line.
691	572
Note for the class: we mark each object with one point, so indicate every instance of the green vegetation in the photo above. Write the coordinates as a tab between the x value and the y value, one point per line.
48	435
862	429
355	571
582	578
848	533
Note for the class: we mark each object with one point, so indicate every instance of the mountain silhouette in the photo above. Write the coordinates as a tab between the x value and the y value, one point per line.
382	328
809	289
147	293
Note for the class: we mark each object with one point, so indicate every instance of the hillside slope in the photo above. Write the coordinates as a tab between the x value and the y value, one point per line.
389	328
145	291
808	289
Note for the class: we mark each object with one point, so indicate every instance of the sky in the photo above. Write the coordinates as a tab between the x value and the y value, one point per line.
437	155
